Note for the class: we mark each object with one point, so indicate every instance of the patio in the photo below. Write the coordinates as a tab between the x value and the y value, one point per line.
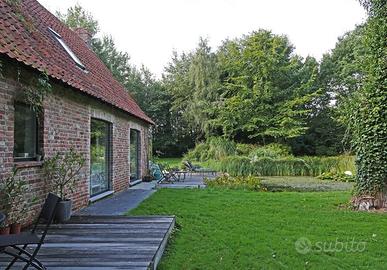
105	242
194	180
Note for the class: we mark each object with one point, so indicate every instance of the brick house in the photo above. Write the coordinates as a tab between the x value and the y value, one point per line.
87	109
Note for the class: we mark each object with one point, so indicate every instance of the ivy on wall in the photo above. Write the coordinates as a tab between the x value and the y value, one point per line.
369	118
36	92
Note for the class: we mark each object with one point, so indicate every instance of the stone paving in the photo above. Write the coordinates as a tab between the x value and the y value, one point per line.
120	203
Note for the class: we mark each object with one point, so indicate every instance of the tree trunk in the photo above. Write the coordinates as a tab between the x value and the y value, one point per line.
367	202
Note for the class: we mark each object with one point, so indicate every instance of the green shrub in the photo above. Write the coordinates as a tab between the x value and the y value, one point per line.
244	149
338	164
273	150
214	148
217	148
198	153
338	177
239	182
270	160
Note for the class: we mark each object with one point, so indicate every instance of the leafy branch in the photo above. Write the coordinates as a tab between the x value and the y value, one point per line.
62	170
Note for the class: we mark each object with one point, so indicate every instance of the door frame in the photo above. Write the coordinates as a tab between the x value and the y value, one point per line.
109	160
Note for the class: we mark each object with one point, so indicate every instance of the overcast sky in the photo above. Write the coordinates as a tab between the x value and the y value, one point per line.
149	30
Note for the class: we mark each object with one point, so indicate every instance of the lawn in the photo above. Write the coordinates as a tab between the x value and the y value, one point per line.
234	229
303	183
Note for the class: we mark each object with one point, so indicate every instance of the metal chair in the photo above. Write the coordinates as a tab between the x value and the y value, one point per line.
168	176
197	169
9	243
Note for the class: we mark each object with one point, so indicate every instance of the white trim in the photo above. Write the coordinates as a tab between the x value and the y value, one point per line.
135	182
100	196
67	49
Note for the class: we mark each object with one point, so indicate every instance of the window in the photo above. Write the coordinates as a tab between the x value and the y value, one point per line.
67	49
135	154
100	155
25	133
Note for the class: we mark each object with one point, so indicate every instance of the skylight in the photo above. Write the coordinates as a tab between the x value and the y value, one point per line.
67	49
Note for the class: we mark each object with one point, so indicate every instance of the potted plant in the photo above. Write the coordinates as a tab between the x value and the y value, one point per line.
4	229
147	178
61	173
4	203
13	191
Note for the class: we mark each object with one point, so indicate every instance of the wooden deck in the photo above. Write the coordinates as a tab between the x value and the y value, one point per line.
105	242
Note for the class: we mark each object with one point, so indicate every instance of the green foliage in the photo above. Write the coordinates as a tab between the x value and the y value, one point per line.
214	148
234	165
239	182
252	89
368	117
13	190
35	94
338	177
284	166
192	80
61	172
265	91
273	150
77	17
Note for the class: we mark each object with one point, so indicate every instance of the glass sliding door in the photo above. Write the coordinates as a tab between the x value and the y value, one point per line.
135	154
100	157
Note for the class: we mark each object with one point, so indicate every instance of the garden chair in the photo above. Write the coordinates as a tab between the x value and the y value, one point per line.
167	175
9	244
196	169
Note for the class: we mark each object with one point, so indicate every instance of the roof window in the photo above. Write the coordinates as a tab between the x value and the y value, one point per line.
67	49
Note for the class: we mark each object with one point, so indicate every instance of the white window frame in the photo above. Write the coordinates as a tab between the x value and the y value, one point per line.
67	49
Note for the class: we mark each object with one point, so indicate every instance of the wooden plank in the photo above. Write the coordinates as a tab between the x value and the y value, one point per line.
159	253
107	242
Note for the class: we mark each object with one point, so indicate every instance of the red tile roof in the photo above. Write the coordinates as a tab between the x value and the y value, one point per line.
24	36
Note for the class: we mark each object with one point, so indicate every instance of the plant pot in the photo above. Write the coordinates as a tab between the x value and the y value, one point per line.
63	211
15	228
147	178
4	230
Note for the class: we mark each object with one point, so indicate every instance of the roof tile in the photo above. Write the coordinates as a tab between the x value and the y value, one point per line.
28	40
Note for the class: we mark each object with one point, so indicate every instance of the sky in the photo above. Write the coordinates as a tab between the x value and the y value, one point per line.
149	30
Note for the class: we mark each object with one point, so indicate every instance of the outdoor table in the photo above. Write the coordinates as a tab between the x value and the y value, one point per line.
180	173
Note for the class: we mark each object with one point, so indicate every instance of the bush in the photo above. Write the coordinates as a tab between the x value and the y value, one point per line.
244	149
239	182
214	148
338	177
273	150
269	160
217	148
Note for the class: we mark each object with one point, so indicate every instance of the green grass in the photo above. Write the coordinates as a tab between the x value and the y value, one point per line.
233	229
303	183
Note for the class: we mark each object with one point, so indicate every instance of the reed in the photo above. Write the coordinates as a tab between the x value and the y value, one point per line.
287	166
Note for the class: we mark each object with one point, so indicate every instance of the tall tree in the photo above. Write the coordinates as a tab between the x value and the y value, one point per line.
340	77
266	89
369	120
193	80
77	17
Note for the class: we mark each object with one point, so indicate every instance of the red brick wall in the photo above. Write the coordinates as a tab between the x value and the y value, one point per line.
67	115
